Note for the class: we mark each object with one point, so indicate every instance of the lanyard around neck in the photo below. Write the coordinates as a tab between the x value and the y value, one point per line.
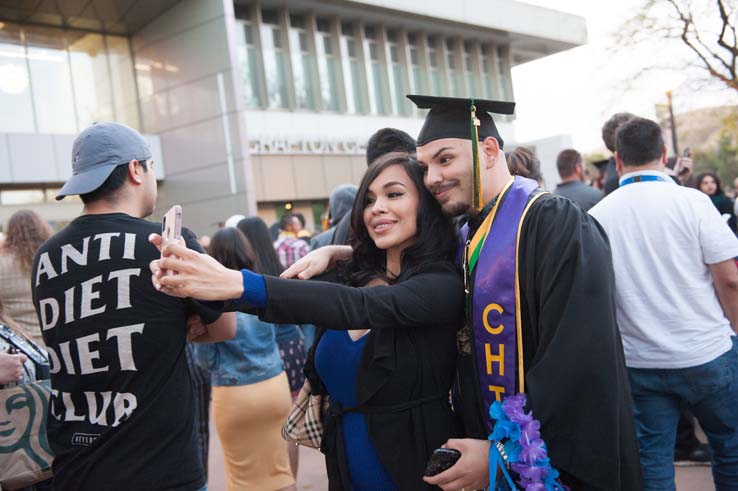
641	178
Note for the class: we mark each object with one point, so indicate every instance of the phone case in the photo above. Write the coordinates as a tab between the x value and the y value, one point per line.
441	460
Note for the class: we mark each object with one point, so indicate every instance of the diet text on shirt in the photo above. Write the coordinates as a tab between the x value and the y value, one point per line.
81	356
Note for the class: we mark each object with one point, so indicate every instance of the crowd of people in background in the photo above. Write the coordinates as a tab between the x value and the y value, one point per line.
81	302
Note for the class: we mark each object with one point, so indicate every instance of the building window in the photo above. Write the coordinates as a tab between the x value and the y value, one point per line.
60	81
417	81
504	71
275	59
377	95
352	73
125	96
303	63
455	75
248	63
327	65
51	86
92	85
397	73
434	67
470	70
15	83
489	80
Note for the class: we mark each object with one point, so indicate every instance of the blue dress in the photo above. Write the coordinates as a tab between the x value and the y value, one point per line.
337	360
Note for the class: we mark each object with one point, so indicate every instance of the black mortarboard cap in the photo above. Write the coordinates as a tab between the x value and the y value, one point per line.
449	117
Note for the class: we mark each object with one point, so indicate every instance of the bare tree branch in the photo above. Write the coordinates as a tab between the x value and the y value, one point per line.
675	20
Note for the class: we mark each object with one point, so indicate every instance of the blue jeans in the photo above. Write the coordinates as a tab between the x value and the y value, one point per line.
711	393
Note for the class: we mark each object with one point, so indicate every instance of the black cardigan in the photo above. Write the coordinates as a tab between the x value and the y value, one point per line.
409	355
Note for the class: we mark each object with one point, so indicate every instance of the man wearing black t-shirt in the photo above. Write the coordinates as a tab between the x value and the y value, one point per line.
120	416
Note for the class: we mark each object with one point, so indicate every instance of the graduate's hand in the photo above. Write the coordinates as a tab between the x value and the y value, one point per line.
195	275
317	262
470	472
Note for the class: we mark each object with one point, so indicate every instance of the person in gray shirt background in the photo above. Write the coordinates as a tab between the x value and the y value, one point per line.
571	170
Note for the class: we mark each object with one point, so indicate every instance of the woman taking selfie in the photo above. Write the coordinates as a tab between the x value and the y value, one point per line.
386	360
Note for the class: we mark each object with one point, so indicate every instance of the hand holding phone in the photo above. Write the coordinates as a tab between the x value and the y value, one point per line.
171	228
440	460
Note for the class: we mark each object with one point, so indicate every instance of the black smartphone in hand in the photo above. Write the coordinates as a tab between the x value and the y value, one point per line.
440	460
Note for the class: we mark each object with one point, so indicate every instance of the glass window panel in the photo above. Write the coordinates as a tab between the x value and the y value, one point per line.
124	84
435	82
16	108
351	48
373	51
91	78
249	67
378	92
297	21
394	54
418	83
242	11
122	75
347	28
489	86
356	86
352	72
378	99
399	89
303	69
274	66
504	73
328	70
323	25
269	16
22	197
433	53
51	81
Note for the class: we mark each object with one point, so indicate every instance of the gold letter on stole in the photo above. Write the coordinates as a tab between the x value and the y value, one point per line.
492	330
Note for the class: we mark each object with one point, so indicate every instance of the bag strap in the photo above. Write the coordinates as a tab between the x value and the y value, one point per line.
26	347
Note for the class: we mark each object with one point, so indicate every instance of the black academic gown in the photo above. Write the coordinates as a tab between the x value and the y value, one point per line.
575	376
409	356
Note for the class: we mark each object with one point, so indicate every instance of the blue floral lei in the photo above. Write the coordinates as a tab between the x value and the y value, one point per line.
516	441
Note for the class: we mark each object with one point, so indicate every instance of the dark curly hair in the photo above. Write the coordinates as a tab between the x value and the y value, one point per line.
435	239
26	232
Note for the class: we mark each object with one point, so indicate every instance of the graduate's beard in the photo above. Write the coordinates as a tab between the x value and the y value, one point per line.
455	209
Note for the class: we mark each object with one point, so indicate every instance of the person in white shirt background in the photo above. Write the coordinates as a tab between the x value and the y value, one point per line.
677	300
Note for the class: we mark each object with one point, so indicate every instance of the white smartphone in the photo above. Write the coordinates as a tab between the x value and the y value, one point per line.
171	227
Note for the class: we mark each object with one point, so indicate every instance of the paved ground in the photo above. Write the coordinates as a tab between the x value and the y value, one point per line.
311	475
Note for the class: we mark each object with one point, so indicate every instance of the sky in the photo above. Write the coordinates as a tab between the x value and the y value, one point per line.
576	91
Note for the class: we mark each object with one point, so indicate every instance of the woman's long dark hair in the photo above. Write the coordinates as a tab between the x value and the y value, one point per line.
232	249
258	235
435	239
718	187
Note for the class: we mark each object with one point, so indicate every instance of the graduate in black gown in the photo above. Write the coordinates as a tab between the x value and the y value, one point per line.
553	282
540	308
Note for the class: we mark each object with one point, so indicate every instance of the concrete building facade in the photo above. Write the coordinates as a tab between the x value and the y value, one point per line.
251	106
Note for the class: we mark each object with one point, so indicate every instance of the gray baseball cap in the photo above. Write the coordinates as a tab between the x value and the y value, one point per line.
98	150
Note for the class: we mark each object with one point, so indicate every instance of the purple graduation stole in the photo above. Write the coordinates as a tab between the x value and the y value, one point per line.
491	257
